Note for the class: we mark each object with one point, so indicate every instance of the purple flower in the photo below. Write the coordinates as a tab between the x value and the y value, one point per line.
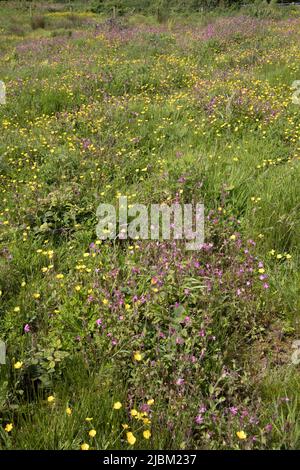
233	410
199	419
179	381
27	328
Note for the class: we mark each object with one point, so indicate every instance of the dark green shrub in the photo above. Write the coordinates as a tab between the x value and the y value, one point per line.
38	22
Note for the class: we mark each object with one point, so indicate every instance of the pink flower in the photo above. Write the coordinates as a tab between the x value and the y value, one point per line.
26	328
233	410
179	381
199	419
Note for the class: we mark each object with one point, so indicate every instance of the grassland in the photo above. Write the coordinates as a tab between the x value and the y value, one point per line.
149	345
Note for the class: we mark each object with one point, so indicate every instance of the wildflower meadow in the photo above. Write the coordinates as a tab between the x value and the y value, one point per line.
129	343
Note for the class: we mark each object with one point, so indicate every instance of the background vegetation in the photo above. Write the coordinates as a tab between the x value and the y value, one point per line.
129	344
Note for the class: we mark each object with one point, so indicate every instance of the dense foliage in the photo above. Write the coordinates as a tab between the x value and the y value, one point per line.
136	344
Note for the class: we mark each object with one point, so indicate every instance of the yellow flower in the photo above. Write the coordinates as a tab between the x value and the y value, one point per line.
59	276
68	411
232	237
137	356
16	309
18	365
130	438
241	435
8	427
92	433
84	446
147	434
150	402
133	412
89	419
125	426
105	301
117	405
36	295
50	399
261	270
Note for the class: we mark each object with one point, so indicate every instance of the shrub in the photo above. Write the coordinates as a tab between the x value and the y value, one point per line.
38	22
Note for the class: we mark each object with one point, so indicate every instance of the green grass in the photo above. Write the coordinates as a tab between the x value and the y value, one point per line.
199	108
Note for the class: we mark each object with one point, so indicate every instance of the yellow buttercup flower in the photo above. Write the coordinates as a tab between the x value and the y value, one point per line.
84	446
150	402
68	411
133	412
147	434
117	405
241	435
18	365
130	438
8	427
137	356
92	433
50	399
89	419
